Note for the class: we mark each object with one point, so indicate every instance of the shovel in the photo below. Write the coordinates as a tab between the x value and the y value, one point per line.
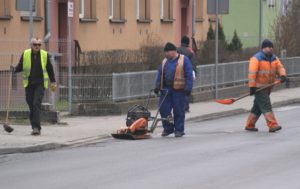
6	127
229	101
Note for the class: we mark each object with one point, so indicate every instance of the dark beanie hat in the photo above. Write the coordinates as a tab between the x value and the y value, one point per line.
170	47
266	43
185	40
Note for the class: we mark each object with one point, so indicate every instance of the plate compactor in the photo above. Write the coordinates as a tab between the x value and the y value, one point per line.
137	120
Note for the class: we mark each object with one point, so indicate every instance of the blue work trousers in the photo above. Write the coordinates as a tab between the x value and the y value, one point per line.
175	100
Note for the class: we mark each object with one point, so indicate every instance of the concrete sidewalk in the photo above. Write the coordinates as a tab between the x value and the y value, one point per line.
84	130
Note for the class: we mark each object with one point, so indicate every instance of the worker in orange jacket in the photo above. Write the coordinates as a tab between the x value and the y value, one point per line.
264	67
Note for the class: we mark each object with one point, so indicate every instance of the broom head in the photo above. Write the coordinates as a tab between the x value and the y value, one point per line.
8	128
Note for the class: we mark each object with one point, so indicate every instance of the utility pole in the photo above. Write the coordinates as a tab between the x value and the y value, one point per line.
70	16
30	20
260	22
217	49
194	18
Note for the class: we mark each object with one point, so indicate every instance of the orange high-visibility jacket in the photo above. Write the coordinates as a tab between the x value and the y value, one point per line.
263	70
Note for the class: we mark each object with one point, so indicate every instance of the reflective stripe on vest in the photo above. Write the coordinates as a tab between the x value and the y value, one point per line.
179	80
27	67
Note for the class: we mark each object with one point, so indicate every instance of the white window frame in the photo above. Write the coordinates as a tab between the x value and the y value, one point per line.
81	9
271	3
161	9
138	9
111	9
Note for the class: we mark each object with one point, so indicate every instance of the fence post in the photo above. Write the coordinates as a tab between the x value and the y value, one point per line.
113	95
53	94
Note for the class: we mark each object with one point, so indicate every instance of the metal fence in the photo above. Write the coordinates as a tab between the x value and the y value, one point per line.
134	85
124	86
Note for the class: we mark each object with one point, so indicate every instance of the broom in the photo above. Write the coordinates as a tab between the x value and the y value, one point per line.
6	127
229	101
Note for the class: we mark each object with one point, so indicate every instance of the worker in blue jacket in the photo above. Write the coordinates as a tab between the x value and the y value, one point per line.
175	75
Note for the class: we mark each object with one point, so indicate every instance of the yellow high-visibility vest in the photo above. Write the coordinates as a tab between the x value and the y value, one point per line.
27	67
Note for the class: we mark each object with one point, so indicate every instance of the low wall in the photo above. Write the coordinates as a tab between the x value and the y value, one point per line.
48	116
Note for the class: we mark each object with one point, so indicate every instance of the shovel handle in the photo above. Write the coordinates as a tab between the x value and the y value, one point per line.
9	91
260	89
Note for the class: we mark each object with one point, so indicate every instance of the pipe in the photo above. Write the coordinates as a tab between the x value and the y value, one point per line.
48	21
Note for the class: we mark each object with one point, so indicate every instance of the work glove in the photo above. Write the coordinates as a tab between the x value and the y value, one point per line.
53	87
156	91
252	90
282	79
187	92
12	68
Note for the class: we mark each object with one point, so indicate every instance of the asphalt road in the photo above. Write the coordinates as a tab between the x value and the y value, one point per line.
215	154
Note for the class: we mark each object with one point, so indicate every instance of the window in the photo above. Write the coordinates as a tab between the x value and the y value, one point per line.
117	11
199	11
5	10
272	3
23	6
87	11
166	14
143	10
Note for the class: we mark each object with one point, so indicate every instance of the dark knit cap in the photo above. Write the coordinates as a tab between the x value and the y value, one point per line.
185	40
266	43
170	47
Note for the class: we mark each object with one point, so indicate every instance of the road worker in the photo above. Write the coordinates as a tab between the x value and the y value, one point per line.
175	76
264	68
186	50
37	70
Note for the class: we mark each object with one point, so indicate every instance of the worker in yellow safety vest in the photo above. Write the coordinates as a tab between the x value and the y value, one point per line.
37	70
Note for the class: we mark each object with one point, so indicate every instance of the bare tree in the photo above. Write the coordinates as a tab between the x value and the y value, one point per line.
287	29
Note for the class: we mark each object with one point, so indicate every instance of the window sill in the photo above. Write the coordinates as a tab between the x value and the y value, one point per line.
88	20
118	21
167	20
146	21
199	19
35	18
6	17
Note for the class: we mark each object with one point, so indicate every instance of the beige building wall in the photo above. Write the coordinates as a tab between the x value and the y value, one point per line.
129	35
101	33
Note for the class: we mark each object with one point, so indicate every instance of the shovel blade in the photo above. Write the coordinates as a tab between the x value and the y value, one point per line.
225	101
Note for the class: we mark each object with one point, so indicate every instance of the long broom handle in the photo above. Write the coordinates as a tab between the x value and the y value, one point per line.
260	89
9	90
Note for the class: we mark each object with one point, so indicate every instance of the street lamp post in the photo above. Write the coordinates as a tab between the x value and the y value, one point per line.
217	49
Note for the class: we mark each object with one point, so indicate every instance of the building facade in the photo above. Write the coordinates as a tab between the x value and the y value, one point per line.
244	18
99	25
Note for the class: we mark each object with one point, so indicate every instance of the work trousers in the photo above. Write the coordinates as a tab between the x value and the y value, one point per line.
262	105
262	102
34	97
175	100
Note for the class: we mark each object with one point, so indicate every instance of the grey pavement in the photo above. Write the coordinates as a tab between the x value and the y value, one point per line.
85	130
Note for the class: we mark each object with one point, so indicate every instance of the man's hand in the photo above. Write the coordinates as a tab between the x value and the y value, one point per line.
156	91
53	87
252	90
187	92
282	79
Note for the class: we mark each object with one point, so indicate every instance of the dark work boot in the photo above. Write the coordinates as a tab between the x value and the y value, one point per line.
179	134
274	129
253	129
35	132
165	133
